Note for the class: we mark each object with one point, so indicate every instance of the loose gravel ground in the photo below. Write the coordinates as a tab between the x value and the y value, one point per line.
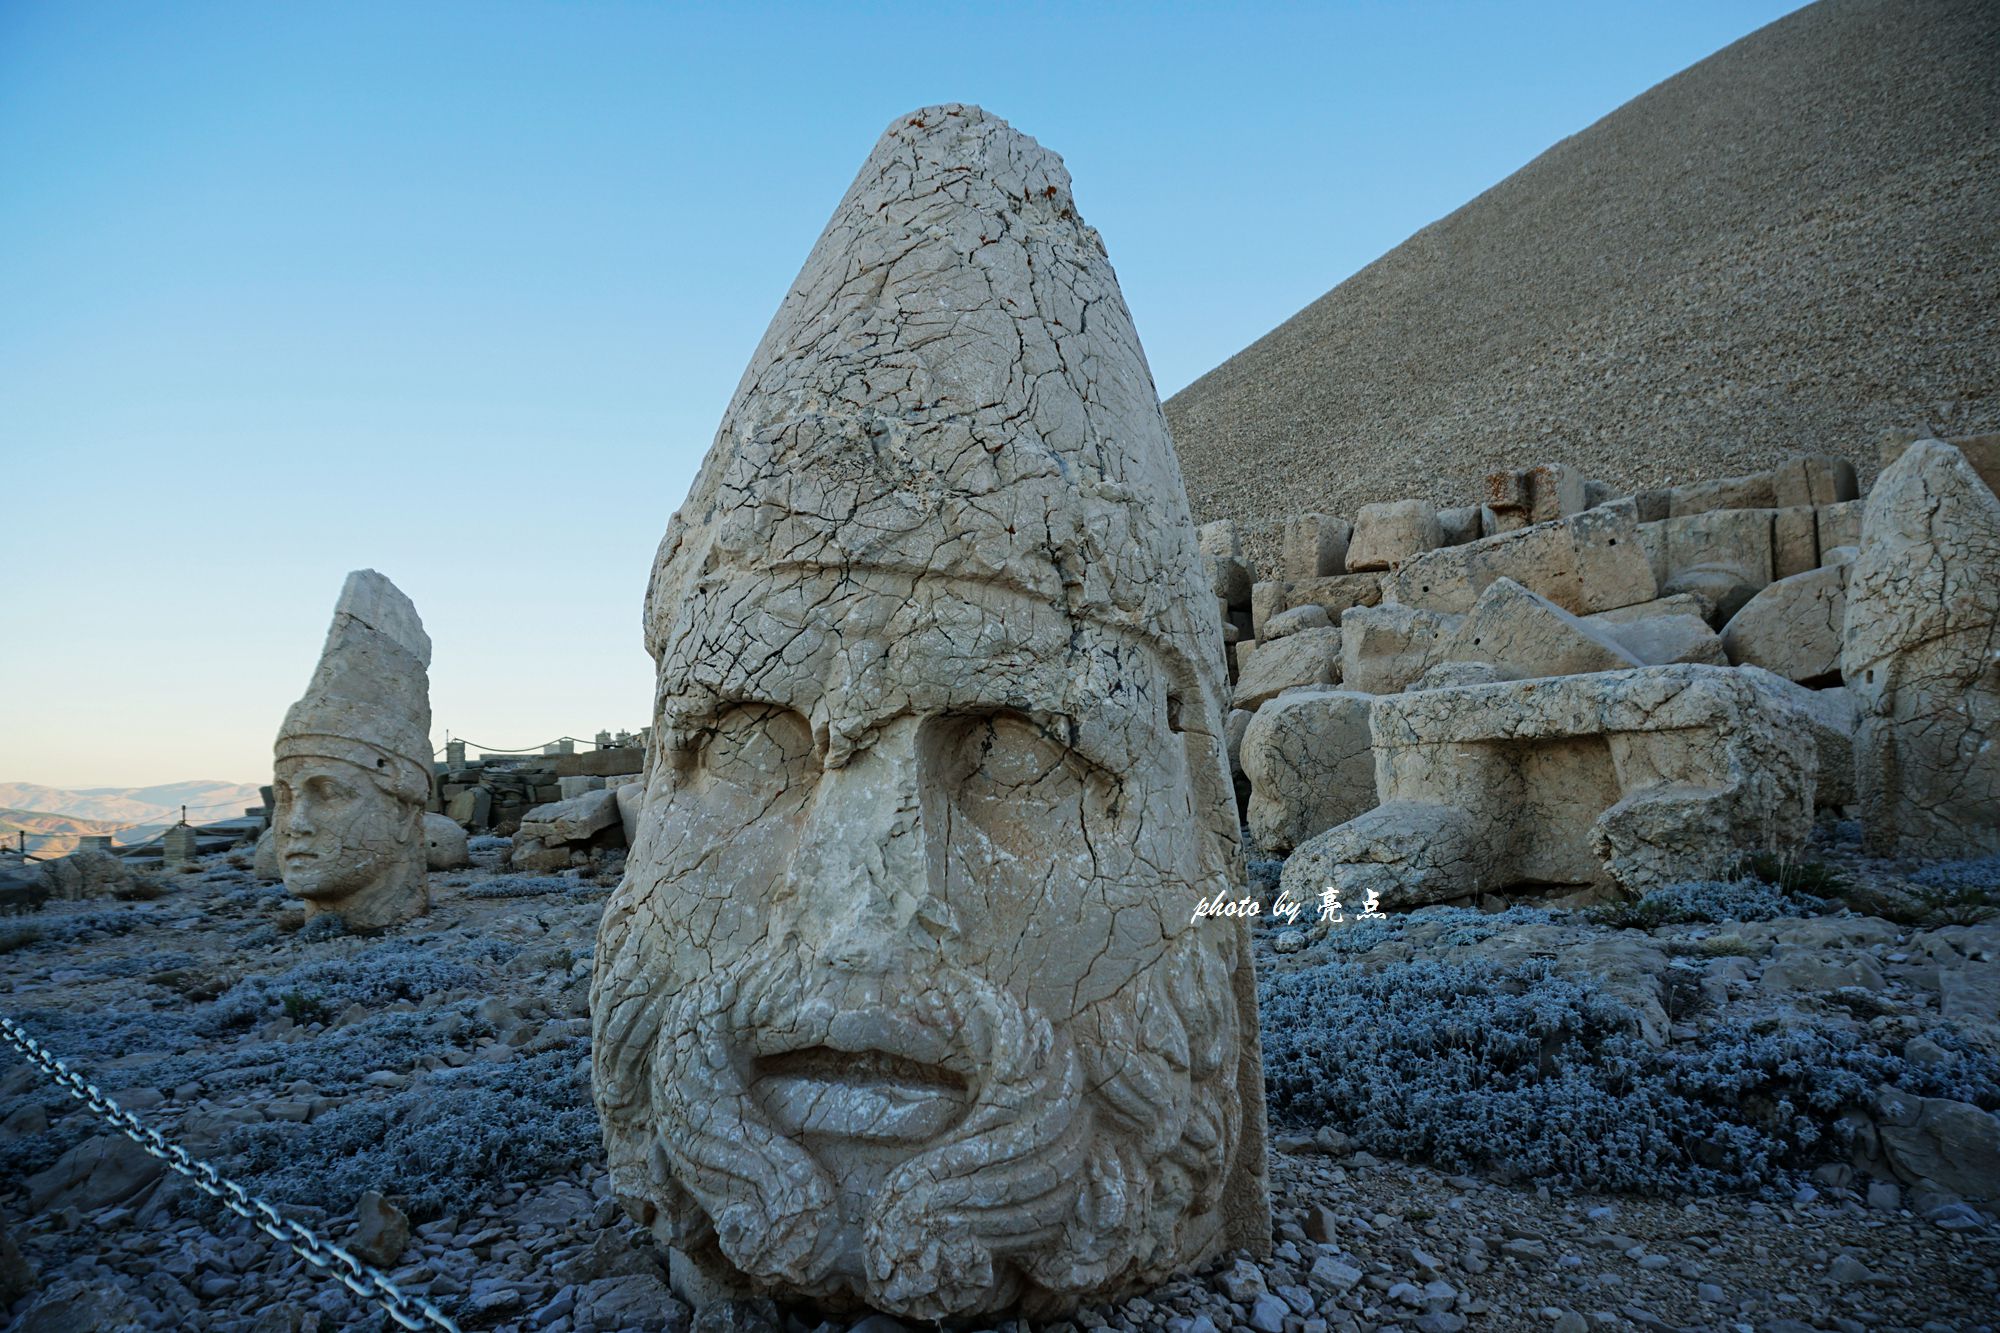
1363	1244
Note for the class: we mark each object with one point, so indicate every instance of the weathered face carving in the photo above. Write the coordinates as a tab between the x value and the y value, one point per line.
900	1000
338	833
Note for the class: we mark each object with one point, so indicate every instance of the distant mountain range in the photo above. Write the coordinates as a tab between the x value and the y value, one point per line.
55	817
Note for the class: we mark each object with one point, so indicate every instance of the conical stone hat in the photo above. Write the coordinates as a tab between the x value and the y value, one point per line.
954	387
369	702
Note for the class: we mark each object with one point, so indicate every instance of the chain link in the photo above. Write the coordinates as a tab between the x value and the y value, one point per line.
366	1282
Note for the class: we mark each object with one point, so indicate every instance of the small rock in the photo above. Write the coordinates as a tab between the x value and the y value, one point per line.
384	1233
1846	1269
1319	1223
1332	1274
1267	1314
1440	1321
1242	1282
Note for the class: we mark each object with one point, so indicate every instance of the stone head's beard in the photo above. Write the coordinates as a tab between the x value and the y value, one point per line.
1088	1161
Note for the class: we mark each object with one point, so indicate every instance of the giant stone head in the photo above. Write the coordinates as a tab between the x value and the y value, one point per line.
353	768
900	1002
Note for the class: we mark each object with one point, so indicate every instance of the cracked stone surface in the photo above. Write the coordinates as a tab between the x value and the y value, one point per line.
1528	635
1920	648
1792	627
1310	763
900	1001
1636	778
353	766
1592	561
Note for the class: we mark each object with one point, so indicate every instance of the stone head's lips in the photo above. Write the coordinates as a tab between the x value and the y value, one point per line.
863	1095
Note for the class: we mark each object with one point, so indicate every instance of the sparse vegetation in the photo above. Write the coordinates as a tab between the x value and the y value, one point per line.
1540	1075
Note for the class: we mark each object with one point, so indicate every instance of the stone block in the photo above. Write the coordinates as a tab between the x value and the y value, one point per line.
1337	594
1921	650
1518	498
1792	628
1812	481
1838	525
1752	491
617	762
1528	635
1298	618
1635	778
1451	675
1387	534
1738	539
575	820
1219	538
1493	522
1832	717
471	808
631	799
1653	505
178	847
1384	648
1310	764
1230	579
1794	541
1267	599
1459	526
1663	640
1555	490
1951	1144
1309	657
1723	587
1592	561
1315	546
1679	604
1233	728
577	785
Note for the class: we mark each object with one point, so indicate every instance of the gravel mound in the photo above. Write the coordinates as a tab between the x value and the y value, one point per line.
1792	246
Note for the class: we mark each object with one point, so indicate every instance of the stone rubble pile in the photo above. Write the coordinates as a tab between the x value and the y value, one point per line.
1566	692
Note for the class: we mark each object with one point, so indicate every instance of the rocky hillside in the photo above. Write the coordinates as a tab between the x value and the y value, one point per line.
1788	247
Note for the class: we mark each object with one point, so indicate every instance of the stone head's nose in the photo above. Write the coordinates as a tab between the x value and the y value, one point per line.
863	869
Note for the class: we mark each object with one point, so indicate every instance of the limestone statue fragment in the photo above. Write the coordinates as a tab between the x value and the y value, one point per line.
353	767
1633	779
900	1002
1592	561
1310	763
1920	648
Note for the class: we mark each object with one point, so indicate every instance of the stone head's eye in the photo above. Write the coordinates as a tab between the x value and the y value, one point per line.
1009	757
761	748
1013	752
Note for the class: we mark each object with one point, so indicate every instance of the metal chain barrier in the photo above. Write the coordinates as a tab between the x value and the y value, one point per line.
368	1283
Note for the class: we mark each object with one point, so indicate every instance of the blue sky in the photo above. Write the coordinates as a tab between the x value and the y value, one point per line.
460	291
